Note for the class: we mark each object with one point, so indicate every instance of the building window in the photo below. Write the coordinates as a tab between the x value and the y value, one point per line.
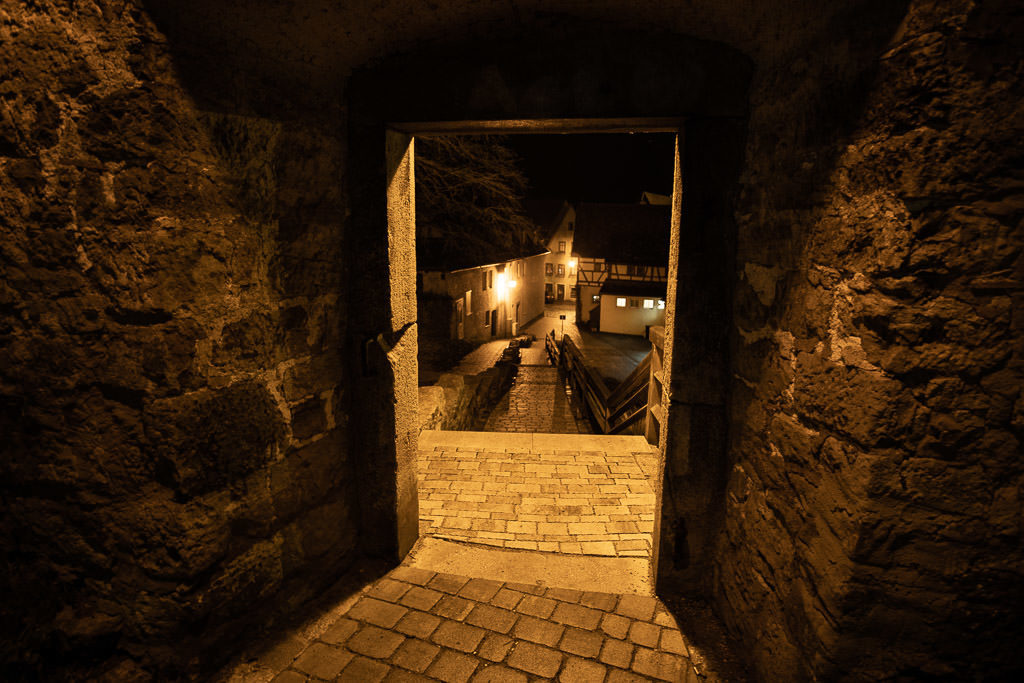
570	226
519	268
648	303
490	278
561	246
469	302
607	267
620	302
572	271
596	299
634	303
549	269
661	304
483	285
561	270
573	292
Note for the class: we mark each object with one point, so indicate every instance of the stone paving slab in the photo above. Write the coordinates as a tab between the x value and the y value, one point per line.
479	630
507	495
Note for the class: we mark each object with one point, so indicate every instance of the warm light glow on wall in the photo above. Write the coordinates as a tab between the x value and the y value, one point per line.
512	284
501	284
572	263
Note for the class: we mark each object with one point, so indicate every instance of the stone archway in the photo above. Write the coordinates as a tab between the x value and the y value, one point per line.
554	82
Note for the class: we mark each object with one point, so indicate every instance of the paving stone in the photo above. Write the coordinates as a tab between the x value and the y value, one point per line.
363	670
564	594
397	675
580	642
637	607
672	641
601	601
495	646
578	670
645	634
417	624
535	659
496	673
448	583
420	577
660	665
282	654
375	642
663	618
388	589
322	661
421	598
453	607
616	653
377	612
415	655
481	590
536	606
507	598
493	618
620	676
577	615
338	632
458	636
537	630
453	667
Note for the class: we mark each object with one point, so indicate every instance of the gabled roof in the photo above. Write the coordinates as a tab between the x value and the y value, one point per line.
646	288
546	214
623	233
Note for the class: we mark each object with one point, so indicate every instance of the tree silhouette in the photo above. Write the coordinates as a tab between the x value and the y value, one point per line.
469	192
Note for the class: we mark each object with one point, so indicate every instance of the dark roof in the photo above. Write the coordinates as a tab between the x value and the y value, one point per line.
646	288
546	214
623	233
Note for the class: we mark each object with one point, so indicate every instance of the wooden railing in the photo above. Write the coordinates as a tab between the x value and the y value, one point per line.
613	412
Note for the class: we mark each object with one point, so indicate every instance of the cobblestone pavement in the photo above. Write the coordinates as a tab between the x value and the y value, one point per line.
417	625
505	492
536	403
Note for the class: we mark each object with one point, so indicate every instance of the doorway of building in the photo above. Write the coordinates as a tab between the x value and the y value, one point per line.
535	487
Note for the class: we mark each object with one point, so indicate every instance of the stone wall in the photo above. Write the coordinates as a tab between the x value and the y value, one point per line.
172	403
463	402
872	526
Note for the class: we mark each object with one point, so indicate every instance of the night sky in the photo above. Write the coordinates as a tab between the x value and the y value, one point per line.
595	167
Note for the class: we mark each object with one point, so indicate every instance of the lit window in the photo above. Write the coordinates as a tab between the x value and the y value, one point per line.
469	302
620	301
549	269
661	303
561	270
561	247
648	303
490	278
596	298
